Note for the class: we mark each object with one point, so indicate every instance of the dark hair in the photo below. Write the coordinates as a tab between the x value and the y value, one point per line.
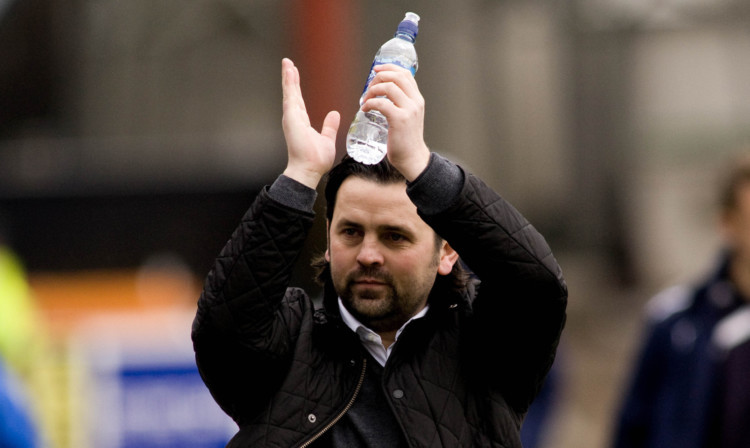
383	173
738	174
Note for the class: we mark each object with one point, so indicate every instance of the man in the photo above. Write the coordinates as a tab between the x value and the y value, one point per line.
399	355
690	386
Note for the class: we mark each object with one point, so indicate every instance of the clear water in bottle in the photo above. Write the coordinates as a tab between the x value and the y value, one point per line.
367	138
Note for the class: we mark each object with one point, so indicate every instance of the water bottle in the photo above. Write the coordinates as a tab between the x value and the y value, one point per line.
368	134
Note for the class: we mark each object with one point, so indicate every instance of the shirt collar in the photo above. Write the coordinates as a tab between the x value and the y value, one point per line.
370	339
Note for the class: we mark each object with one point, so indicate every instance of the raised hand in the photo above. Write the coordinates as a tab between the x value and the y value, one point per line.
394	92
310	153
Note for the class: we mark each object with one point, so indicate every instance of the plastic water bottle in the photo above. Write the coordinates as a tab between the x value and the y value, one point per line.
367	139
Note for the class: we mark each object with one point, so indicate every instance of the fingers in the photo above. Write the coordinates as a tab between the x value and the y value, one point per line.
287	78
393	90
394	93
393	81
289	75
290	86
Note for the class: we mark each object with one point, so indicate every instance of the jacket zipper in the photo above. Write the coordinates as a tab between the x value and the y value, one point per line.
344	411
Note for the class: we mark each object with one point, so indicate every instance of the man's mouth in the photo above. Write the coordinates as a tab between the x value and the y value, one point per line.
369	284
369	281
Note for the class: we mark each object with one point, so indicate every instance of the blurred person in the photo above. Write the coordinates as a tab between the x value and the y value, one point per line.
19	325
17	427
18	346
405	351
537	423
691	384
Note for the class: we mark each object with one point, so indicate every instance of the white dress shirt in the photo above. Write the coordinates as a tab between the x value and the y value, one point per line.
371	340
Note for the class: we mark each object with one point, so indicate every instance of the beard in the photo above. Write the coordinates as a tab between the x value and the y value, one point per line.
381	307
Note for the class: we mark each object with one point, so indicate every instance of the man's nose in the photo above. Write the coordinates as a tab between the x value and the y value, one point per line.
370	253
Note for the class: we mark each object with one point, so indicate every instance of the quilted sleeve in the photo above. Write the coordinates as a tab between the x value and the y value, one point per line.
519	311
247	320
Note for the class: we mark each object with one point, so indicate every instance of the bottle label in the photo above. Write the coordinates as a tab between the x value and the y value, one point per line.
377	62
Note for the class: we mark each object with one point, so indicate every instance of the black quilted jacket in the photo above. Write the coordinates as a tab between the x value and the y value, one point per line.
463	376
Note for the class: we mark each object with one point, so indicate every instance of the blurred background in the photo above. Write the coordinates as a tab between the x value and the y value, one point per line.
134	135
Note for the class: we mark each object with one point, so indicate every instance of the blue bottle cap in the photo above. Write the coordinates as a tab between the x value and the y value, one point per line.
410	25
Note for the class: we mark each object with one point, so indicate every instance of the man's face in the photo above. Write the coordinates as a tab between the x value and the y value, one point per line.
383	256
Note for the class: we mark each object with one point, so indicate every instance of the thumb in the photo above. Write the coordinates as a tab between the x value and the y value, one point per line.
331	125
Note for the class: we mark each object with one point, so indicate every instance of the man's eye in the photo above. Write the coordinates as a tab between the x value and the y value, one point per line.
349	232
396	237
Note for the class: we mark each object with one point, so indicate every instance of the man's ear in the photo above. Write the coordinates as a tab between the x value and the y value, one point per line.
448	258
327	254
